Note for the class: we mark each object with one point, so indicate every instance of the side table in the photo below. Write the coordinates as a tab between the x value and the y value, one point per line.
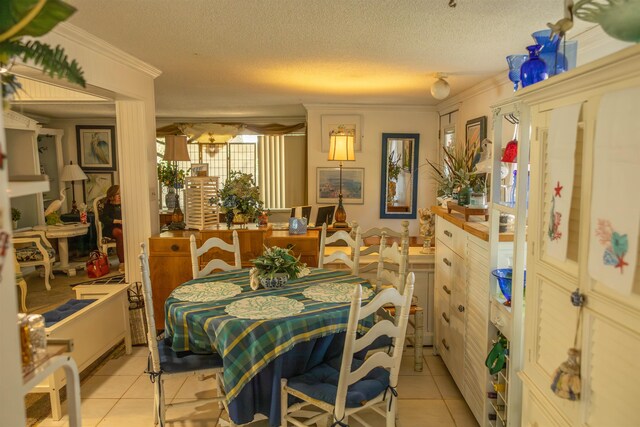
83	245
62	232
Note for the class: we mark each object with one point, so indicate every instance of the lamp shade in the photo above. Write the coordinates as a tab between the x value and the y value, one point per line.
342	145
175	148
440	89
72	172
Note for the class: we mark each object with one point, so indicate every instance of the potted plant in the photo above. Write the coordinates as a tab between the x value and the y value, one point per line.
393	172
239	198
457	175
171	177
15	217
276	266
26	19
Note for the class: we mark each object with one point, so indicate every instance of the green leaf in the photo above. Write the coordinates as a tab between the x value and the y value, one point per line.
52	13
54	62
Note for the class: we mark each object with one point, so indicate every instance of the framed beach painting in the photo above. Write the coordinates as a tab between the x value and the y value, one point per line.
199	169
328	185
332	123
96	185
96	147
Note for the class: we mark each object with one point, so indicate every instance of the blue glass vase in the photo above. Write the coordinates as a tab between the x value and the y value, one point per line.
515	62
549	52
534	69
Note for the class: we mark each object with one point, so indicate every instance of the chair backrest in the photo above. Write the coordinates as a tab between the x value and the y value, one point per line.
211	243
371	241
98	207
396	331
148	309
393	264
351	259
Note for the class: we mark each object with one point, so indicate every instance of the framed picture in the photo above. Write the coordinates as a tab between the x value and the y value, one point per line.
199	169
96	185
333	122
476	131
328	185
96	147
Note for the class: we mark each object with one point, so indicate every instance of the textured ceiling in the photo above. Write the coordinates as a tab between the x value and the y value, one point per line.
228	58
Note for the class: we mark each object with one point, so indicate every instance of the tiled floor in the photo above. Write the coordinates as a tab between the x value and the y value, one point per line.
119	393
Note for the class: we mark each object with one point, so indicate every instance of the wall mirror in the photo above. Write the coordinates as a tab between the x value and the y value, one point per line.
399	182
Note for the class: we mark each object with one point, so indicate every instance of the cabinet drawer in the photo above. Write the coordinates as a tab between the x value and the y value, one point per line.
441	309
443	341
175	245
443	262
446	232
501	318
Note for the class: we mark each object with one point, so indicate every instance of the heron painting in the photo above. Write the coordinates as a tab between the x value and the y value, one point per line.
96	185
96	147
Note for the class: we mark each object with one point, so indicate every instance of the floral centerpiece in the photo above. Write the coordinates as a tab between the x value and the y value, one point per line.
275	266
239	198
170	176
457	174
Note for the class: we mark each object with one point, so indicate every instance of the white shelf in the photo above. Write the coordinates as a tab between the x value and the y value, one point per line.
504	207
26	188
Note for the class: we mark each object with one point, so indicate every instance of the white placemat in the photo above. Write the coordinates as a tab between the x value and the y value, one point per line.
257	308
334	292
206	291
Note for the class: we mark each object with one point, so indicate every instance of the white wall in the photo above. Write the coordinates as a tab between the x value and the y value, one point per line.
376	120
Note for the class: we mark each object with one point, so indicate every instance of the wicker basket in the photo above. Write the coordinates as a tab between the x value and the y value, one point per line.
199	190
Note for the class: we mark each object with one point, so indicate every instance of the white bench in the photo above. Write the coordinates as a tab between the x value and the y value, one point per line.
94	330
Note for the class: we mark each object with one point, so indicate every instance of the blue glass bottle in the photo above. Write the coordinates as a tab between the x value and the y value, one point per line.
512	196
550	52
534	69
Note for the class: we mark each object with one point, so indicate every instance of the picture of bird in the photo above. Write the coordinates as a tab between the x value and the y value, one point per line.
99	148
56	204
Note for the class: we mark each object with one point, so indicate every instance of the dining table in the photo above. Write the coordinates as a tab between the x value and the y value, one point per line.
262	335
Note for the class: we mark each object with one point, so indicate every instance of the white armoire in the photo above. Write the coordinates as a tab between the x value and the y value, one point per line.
609	338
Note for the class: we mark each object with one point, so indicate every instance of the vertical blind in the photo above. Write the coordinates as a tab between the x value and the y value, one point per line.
271	170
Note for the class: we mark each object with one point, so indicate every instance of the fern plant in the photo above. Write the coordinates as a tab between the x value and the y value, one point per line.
20	19
457	170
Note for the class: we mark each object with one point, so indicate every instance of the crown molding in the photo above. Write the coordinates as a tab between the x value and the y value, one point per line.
100	46
353	108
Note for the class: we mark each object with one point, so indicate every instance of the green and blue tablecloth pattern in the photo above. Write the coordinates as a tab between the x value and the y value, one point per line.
248	345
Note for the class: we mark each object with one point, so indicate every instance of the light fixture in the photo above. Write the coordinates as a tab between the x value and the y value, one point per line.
72	173
440	89
341	149
175	150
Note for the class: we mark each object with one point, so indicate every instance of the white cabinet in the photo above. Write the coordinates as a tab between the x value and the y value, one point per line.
462	301
610	335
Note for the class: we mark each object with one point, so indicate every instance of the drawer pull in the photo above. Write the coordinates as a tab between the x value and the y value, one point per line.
444	316
461	308
175	247
446	261
447	290
448	233
444	343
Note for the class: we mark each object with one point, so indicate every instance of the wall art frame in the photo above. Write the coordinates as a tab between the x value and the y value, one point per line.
96	147
96	185
328	185
331	122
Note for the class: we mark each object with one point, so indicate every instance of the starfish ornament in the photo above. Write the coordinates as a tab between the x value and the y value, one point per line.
558	189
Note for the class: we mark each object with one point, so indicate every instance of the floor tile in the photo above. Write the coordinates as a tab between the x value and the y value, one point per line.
436	365
92	411
130	413
142	388
193	388
424	413
417	387
461	413
447	387
192	413
407	367
125	365
139	351
105	387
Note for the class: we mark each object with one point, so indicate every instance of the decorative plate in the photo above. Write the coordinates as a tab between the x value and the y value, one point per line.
257	308
334	292
206	291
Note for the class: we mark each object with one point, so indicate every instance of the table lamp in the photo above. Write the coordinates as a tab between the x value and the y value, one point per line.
72	173
175	150
341	149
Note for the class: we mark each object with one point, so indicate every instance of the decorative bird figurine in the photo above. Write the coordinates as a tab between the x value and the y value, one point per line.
56	204
565	24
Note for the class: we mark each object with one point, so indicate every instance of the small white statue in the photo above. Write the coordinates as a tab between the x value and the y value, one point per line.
427	227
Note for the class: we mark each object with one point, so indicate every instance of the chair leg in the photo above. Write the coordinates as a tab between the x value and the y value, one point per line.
392	411
418	329
284	397
47	274
54	398
23	295
158	402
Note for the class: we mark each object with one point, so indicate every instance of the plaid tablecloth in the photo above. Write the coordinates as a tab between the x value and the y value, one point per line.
247	346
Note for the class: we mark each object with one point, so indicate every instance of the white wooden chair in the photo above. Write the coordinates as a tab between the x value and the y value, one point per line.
215	263
392	270
163	361
351	259
374	248
33	249
104	243
369	384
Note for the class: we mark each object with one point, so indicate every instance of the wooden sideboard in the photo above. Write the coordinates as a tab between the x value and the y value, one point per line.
170	258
